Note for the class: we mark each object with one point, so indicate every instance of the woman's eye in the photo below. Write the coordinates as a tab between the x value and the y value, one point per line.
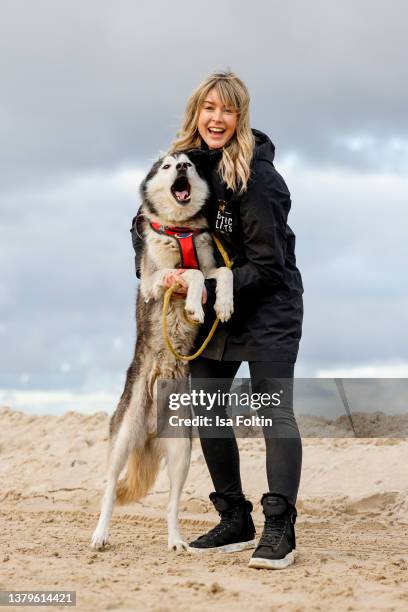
166	167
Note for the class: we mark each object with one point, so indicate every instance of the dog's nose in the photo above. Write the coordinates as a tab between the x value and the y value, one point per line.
181	167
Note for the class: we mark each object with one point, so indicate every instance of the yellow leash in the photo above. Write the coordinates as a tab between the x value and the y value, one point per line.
166	302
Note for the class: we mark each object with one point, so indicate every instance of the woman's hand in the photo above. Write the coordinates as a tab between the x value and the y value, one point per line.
175	277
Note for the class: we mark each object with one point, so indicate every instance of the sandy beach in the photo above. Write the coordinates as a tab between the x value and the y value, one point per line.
352	528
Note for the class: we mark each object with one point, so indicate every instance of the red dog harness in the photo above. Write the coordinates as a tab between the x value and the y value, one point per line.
185	241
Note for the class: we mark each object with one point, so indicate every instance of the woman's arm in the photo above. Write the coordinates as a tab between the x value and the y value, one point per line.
264	211
137	240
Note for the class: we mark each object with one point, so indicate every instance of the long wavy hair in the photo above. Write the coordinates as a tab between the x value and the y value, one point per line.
234	165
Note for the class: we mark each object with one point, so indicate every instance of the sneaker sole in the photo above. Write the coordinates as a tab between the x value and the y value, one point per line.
260	563
227	548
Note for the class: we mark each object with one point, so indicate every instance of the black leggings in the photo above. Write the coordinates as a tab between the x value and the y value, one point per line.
283	443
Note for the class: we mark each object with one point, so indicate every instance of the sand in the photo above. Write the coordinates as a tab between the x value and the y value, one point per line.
352	528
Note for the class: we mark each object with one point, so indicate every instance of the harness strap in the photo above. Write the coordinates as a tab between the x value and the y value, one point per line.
185	241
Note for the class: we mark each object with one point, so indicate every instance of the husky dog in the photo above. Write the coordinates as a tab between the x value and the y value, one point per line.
173	194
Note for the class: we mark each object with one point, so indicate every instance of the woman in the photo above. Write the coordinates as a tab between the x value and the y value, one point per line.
248	213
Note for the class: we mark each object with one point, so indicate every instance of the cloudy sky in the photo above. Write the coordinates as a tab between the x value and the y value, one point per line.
92	91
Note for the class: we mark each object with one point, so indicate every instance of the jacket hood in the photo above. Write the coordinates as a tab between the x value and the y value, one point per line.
264	147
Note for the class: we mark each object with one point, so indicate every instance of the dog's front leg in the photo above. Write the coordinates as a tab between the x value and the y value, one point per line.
224	303
195	282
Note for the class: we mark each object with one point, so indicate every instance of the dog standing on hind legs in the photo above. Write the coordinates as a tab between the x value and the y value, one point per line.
175	236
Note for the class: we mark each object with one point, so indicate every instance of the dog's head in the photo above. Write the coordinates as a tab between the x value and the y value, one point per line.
175	189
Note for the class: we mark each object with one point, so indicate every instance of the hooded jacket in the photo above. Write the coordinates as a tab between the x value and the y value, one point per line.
268	309
268	306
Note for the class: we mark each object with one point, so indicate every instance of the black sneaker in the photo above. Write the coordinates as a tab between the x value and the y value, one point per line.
275	549
235	531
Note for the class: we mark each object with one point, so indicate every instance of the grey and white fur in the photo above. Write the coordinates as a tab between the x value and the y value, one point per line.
173	194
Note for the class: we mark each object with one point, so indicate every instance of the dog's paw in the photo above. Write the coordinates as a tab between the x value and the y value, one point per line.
178	546
194	311
99	539
224	307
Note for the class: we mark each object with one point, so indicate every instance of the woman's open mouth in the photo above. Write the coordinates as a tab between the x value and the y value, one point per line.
216	132
181	190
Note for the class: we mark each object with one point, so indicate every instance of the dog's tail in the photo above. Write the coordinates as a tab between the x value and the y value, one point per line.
142	469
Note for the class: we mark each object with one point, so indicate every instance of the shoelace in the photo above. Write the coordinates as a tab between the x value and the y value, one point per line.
225	522
273	530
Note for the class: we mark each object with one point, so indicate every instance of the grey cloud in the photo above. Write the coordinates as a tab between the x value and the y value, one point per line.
69	284
86	91
108	83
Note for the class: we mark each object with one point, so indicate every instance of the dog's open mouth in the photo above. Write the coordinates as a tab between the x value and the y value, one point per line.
181	190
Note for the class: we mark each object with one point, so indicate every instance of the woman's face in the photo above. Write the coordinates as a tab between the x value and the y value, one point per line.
216	123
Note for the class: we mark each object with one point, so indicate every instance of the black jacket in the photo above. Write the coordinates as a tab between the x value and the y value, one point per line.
268	307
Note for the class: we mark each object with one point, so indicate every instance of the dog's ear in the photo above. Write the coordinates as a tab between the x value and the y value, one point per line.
204	160
150	175
197	156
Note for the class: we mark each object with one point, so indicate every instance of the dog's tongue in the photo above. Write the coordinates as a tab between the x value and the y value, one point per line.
182	195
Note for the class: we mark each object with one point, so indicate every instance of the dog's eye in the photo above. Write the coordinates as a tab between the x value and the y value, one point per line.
166	167
188	164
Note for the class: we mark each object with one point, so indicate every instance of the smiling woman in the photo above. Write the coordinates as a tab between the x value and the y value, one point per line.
217	122
248	212
217	118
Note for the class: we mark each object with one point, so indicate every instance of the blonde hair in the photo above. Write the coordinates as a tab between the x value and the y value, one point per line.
234	165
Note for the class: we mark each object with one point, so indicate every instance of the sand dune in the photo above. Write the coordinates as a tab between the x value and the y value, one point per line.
352	527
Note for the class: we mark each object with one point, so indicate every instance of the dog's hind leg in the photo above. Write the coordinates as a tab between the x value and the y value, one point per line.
177	452
117	460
